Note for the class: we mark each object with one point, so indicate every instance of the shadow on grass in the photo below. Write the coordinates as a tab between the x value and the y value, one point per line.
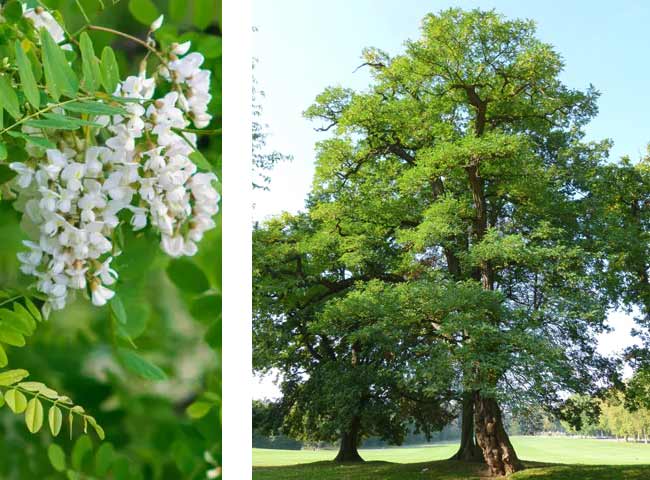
446	470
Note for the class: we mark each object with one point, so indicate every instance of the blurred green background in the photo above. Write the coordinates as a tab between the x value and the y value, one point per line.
166	429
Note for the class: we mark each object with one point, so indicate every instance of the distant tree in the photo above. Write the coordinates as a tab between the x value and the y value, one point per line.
466	153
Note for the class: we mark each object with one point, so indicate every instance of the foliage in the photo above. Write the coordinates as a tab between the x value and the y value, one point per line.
341	365
107	358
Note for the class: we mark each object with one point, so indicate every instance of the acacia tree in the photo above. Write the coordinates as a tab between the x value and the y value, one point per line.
323	322
481	144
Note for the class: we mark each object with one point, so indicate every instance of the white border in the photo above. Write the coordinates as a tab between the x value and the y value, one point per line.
237	255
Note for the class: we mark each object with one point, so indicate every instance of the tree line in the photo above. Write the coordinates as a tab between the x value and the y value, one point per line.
459	252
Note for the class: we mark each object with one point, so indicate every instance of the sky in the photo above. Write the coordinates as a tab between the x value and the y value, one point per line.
304	46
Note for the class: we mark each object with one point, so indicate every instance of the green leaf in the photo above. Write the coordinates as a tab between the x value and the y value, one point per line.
6	173
11	337
59	76
3	151
8	97
27	77
39	388
104	459
12	376
138	365
55	419
205	13
94	108
117	308
56	456
144	11
70	422
82	447
24	324
207	308
138	313
187	276
34	415
3	357
71	120
39	141
36	313
12	11
110	72
54	124
26	317
72	475
177	10
92	78
199	409
200	161
99	430
16	401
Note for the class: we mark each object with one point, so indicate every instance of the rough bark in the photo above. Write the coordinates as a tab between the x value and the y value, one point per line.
468	450
349	443
492	438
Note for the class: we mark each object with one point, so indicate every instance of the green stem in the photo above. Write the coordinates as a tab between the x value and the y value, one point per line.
83	12
12	299
216	131
130	37
41	111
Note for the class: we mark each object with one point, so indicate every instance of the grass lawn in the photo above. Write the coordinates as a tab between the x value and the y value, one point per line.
589	459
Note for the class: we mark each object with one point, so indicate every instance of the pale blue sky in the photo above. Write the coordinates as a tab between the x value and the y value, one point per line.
304	46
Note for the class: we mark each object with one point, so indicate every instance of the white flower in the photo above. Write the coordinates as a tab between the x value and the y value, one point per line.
77	274
139	218
172	246
187	66
30	260
157	23
72	174
181	49
25	174
202	120
41	18
105	273
100	294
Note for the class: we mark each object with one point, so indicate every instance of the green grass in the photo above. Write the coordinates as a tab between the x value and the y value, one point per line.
589	459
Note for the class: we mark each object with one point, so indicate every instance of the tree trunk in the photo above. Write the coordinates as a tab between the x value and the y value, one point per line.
468	450
349	442
492	438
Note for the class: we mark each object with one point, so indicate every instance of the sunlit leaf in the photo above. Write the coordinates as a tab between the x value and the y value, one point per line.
55	419
16	401
34	415
12	376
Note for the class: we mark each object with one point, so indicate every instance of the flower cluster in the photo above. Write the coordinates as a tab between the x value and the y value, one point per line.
75	196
